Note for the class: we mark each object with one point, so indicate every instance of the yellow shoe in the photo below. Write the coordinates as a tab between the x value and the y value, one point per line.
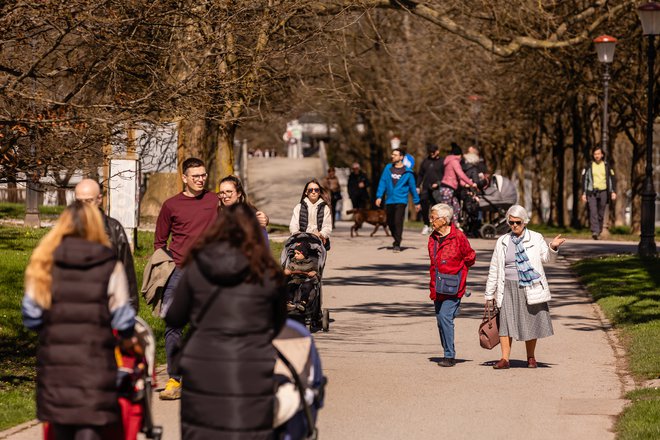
172	390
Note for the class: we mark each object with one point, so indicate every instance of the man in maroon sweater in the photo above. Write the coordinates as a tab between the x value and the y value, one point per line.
184	218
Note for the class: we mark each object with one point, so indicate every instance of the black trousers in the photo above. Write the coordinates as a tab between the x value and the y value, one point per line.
597	202
426	200
360	201
395	216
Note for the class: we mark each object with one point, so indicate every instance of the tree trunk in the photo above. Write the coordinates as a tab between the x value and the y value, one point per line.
537	208
225	151
576	123
558	153
198	138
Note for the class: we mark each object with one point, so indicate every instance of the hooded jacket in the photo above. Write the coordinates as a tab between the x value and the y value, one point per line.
227	365
399	193
451	256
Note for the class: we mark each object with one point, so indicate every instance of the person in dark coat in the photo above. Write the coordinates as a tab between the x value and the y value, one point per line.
428	181
227	363
357	187
76	294
89	191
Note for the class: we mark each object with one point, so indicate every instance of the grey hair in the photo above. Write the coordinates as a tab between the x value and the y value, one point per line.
443	211
518	212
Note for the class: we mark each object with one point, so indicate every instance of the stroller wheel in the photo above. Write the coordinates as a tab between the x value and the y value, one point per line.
488	231
325	320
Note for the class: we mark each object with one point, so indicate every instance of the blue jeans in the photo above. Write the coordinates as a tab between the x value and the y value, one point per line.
445	312
172	334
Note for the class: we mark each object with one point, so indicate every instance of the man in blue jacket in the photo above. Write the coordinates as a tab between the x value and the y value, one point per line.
395	183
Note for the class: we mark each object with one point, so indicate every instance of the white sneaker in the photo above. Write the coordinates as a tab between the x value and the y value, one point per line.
426	230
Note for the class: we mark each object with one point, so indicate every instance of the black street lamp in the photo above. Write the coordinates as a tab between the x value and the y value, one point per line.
605	46
649	14
476	110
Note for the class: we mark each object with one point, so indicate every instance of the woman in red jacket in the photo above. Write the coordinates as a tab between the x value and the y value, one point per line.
451	256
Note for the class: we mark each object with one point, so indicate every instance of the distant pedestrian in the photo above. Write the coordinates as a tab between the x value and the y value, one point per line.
89	191
452	178
182	220
474	166
76	294
428	182
331	183
516	280
228	362
357	187
312	214
598	188
451	257
396	182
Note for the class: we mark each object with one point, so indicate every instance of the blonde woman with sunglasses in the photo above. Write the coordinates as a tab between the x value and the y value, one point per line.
313	214
516	280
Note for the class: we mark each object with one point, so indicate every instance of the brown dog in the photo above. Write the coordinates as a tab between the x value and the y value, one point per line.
375	217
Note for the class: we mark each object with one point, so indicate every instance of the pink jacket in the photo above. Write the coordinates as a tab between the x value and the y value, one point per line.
454	172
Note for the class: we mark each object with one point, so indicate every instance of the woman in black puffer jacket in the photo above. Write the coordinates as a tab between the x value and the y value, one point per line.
227	364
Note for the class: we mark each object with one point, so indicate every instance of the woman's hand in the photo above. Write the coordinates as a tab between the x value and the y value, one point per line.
311	274
556	242
287	272
262	219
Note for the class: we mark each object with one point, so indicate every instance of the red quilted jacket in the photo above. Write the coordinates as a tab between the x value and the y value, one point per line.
452	255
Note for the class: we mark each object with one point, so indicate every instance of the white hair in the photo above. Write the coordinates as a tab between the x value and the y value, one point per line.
443	211
518	211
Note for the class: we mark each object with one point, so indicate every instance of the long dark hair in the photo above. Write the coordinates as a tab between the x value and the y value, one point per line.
238	226
324	192
242	197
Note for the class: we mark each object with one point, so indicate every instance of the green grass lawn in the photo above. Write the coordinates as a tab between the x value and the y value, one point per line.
17	211
628	291
18	345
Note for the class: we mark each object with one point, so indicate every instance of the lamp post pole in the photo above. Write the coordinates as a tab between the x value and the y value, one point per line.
606	86
649	14
605	46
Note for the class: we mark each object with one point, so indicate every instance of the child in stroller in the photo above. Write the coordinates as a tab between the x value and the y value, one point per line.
305	272
302	273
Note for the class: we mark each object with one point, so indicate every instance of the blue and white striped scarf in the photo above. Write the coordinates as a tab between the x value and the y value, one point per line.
526	273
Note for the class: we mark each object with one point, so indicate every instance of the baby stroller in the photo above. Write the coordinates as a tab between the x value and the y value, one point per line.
312	314
300	383
499	196
136	382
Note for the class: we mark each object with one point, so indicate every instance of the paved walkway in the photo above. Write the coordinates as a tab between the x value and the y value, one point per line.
380	356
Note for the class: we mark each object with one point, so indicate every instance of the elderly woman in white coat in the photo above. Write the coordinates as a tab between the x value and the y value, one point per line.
313	213
516	280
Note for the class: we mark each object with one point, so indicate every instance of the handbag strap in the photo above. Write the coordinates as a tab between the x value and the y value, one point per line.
205	307
312	432
490	307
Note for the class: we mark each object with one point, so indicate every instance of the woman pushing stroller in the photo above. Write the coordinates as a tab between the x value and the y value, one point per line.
76	294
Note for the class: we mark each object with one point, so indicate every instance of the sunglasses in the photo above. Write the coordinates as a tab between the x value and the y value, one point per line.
519	222
313	190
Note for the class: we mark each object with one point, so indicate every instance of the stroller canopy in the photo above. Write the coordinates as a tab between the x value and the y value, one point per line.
500	192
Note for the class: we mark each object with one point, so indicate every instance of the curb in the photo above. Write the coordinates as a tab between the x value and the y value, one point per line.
18	428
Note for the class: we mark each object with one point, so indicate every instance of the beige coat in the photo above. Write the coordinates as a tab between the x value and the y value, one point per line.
156	273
